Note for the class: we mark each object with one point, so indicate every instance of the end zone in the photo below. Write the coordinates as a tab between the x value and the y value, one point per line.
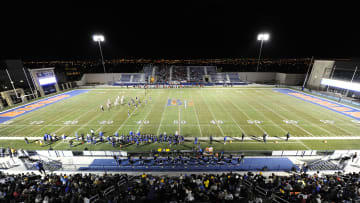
333	106
24	109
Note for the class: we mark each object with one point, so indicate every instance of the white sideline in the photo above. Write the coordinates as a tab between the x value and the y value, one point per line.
222	138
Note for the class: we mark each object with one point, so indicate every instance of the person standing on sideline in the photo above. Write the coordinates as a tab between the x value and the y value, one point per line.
242	137
26	140
264	137
225	138
242	158
287	136
211	139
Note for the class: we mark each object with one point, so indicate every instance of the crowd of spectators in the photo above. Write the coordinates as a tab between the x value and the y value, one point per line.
179	73
229	187
196	74
163	74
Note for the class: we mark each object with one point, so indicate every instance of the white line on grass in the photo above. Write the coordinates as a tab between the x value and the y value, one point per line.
279	115
227	111
147	115
222	132
284	118
247	115
122	125
162	116
179	121
197	118
306	120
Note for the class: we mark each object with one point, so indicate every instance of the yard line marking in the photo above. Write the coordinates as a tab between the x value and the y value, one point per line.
227	111
179	120
279	115
317	126
279	125
217	124
197	117
283	118
247	116
162	116
115	114
30	117
89	121
122	125
147	115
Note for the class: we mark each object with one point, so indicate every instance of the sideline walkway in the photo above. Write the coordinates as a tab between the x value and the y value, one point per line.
222	138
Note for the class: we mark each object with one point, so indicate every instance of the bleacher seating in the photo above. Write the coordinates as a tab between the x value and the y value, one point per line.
234	77
125	78
209	187
163	74
179	73
211	70
219	77
196	73
136	78
190	164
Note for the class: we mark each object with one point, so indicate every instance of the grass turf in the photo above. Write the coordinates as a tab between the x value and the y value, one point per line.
210	111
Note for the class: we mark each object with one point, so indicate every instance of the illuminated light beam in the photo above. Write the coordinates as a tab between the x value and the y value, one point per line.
341	84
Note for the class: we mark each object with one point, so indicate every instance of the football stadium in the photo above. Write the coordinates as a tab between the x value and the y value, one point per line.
239	129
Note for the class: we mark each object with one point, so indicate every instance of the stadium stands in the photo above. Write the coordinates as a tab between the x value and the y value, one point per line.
226	187
163	74
196	73
179	73
234	77
218	78
125	78
166	164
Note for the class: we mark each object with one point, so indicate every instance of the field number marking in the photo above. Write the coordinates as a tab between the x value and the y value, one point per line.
254	121
36	122
290	122
70	122
327	121
106	122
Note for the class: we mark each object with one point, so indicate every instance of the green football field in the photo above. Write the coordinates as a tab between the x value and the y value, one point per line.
209	111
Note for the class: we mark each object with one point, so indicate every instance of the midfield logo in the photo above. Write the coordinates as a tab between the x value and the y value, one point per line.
178	102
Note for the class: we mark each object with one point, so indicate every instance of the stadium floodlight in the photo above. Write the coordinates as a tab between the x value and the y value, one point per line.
341	84
261	37
99	39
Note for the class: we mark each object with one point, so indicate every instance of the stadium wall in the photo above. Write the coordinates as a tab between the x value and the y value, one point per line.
258	77
290	79
254	77
321	69
100	78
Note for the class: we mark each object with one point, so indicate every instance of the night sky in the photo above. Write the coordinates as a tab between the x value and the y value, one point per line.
175	31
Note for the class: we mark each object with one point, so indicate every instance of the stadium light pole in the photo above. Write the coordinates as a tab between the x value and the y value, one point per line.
261	37
99	39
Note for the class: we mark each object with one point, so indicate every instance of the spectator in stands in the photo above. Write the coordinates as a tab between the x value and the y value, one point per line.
40	167
354	157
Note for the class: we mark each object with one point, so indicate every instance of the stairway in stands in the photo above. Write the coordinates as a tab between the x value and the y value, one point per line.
322	165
